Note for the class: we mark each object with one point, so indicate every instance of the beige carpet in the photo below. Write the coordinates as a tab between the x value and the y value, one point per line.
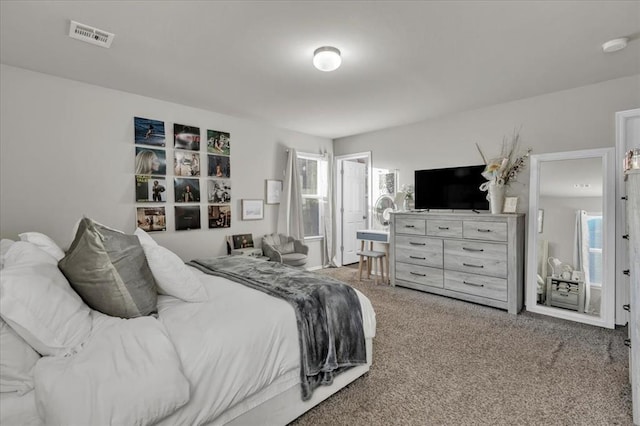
439	361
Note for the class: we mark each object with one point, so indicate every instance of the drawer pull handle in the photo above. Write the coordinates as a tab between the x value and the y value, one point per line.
471	249
418	257
625	236
417	244
472	284
420	275
444	228
627	307
626	272
627	342
563	294
484	230
409	226
471	265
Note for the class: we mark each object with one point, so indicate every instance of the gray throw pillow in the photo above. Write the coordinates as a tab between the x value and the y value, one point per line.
109	270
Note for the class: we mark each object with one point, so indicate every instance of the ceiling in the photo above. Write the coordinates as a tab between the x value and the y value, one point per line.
403	62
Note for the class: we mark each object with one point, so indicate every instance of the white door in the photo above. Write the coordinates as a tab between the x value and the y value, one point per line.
354	205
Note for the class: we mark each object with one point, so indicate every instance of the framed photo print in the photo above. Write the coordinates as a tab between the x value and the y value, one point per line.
274	191
151	219
150	189
187	217
219	216
186	137
218	142
241	241
252	209
218	166
186	163
148	132
510	205
186	190
219	191
151	161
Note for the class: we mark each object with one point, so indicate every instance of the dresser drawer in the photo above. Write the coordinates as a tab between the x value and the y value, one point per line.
476	257
478	285
410	226
423	275
419	250
562	298
444	228
490	231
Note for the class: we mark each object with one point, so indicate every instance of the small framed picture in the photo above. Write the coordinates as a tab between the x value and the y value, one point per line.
252	209
510	205
151	219
274	190
187	217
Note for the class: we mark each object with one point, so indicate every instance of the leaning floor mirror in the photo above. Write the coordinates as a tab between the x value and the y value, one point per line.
571	236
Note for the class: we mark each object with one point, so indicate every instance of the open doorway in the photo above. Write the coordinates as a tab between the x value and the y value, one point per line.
353	201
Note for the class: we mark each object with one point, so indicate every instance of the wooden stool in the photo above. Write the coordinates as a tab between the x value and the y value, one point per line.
368	256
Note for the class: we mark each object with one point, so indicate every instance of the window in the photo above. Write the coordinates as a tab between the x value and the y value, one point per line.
313	172
594	226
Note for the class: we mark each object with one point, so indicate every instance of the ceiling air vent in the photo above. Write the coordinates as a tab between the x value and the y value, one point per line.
91	35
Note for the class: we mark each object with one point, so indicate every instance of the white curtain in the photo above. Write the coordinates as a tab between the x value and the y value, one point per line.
329	222
290	212
581	254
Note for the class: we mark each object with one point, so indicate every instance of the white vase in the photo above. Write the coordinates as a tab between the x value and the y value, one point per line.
495	197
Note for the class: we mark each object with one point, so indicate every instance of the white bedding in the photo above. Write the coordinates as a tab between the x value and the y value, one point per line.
236	328
239	343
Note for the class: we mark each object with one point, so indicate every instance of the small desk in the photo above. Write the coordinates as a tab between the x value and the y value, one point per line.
375	236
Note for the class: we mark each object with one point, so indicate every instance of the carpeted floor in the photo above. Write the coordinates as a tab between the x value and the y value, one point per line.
440	361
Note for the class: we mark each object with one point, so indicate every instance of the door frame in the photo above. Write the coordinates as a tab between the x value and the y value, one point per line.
340	159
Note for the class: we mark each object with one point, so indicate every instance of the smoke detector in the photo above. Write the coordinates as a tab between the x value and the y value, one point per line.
90	34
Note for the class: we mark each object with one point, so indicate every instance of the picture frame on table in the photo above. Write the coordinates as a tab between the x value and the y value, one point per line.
252	209
510	205
274	191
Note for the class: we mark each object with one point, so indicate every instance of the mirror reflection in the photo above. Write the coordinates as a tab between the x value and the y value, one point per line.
570	235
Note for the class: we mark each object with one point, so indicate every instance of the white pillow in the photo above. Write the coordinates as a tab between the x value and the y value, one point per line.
145	239
5	243
44	242
172	276
37	301
17	360
22	253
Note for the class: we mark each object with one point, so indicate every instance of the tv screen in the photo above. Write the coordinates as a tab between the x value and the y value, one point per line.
451	188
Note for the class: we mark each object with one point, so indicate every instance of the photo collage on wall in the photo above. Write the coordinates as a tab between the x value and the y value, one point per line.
153	176
150	173
219	182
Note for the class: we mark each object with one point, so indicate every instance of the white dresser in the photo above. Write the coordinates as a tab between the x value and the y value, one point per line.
633	232
469	256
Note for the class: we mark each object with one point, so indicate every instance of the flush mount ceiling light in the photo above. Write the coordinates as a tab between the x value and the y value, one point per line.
615	45
327	58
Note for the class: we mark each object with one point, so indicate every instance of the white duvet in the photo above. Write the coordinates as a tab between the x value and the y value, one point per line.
189	367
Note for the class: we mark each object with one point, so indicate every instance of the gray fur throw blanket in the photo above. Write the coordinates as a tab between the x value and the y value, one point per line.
328	313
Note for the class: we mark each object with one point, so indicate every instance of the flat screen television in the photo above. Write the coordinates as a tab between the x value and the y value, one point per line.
451	188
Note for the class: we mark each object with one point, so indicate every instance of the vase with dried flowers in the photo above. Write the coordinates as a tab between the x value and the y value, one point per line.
502	170
407	198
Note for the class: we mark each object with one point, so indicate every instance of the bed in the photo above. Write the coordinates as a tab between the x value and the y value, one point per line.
232	357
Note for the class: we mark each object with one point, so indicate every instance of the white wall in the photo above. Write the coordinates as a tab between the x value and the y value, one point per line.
562	121
67	150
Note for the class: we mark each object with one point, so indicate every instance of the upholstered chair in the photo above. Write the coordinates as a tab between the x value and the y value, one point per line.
284	249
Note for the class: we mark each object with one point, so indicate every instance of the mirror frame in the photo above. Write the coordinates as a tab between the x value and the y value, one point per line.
607	307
